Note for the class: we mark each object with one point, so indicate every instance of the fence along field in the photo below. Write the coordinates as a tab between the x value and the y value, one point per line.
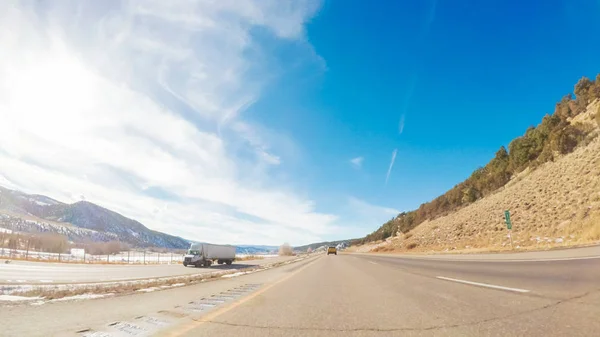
56	248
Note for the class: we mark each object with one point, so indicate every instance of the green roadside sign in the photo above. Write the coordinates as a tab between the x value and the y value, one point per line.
507	219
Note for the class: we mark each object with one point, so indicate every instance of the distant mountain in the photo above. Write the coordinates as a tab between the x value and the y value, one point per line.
252	249
80	221
320	244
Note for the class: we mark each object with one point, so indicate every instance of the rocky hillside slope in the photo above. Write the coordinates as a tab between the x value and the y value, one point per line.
80	221
555	204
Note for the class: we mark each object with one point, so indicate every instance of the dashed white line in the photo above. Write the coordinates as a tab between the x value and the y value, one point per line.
373	262
483	284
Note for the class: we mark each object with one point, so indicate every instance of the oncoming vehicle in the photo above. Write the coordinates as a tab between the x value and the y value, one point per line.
332	250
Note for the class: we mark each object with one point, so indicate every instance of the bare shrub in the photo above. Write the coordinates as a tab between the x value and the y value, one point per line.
285	250
44	242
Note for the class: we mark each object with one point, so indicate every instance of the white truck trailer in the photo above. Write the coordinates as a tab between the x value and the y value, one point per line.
204	254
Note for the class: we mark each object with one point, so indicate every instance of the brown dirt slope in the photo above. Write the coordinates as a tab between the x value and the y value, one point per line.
556	204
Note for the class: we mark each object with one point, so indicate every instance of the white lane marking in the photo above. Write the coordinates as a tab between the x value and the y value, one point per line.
373	262
483	284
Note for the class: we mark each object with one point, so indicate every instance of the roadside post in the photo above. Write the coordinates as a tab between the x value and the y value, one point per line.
508	226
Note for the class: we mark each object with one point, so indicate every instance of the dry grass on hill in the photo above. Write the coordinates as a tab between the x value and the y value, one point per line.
557	204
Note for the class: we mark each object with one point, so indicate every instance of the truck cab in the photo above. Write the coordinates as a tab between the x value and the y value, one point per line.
194	257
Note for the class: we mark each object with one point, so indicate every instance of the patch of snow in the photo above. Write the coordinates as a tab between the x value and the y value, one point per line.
81	297
233	275
148	290
12	298
41	203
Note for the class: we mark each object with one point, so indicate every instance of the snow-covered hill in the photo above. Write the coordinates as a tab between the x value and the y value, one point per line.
80	221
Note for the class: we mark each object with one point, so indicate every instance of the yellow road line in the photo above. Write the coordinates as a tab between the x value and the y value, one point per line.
212	315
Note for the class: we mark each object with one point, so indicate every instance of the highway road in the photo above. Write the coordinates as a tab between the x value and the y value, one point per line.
347	295
18	272
542	255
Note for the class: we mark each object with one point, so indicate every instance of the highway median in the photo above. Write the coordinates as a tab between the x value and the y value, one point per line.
37	294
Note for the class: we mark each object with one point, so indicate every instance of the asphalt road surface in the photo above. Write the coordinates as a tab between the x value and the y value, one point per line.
543	255
349	295
42	272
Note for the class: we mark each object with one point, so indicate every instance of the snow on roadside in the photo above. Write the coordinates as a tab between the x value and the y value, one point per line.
11	298
148	290
166	286
103	289
81	297
239	273
89	296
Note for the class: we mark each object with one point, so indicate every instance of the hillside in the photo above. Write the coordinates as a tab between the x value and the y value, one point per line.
548	179
80	221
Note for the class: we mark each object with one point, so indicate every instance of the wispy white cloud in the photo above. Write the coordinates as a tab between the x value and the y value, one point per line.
406	102
357	162
110	101
387	176
260	146
401	124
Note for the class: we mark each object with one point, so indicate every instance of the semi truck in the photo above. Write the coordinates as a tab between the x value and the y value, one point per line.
205	254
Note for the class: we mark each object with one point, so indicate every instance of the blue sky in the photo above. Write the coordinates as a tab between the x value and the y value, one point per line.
468	76
259	122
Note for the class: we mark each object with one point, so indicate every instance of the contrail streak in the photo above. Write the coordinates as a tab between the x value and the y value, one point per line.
387	177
